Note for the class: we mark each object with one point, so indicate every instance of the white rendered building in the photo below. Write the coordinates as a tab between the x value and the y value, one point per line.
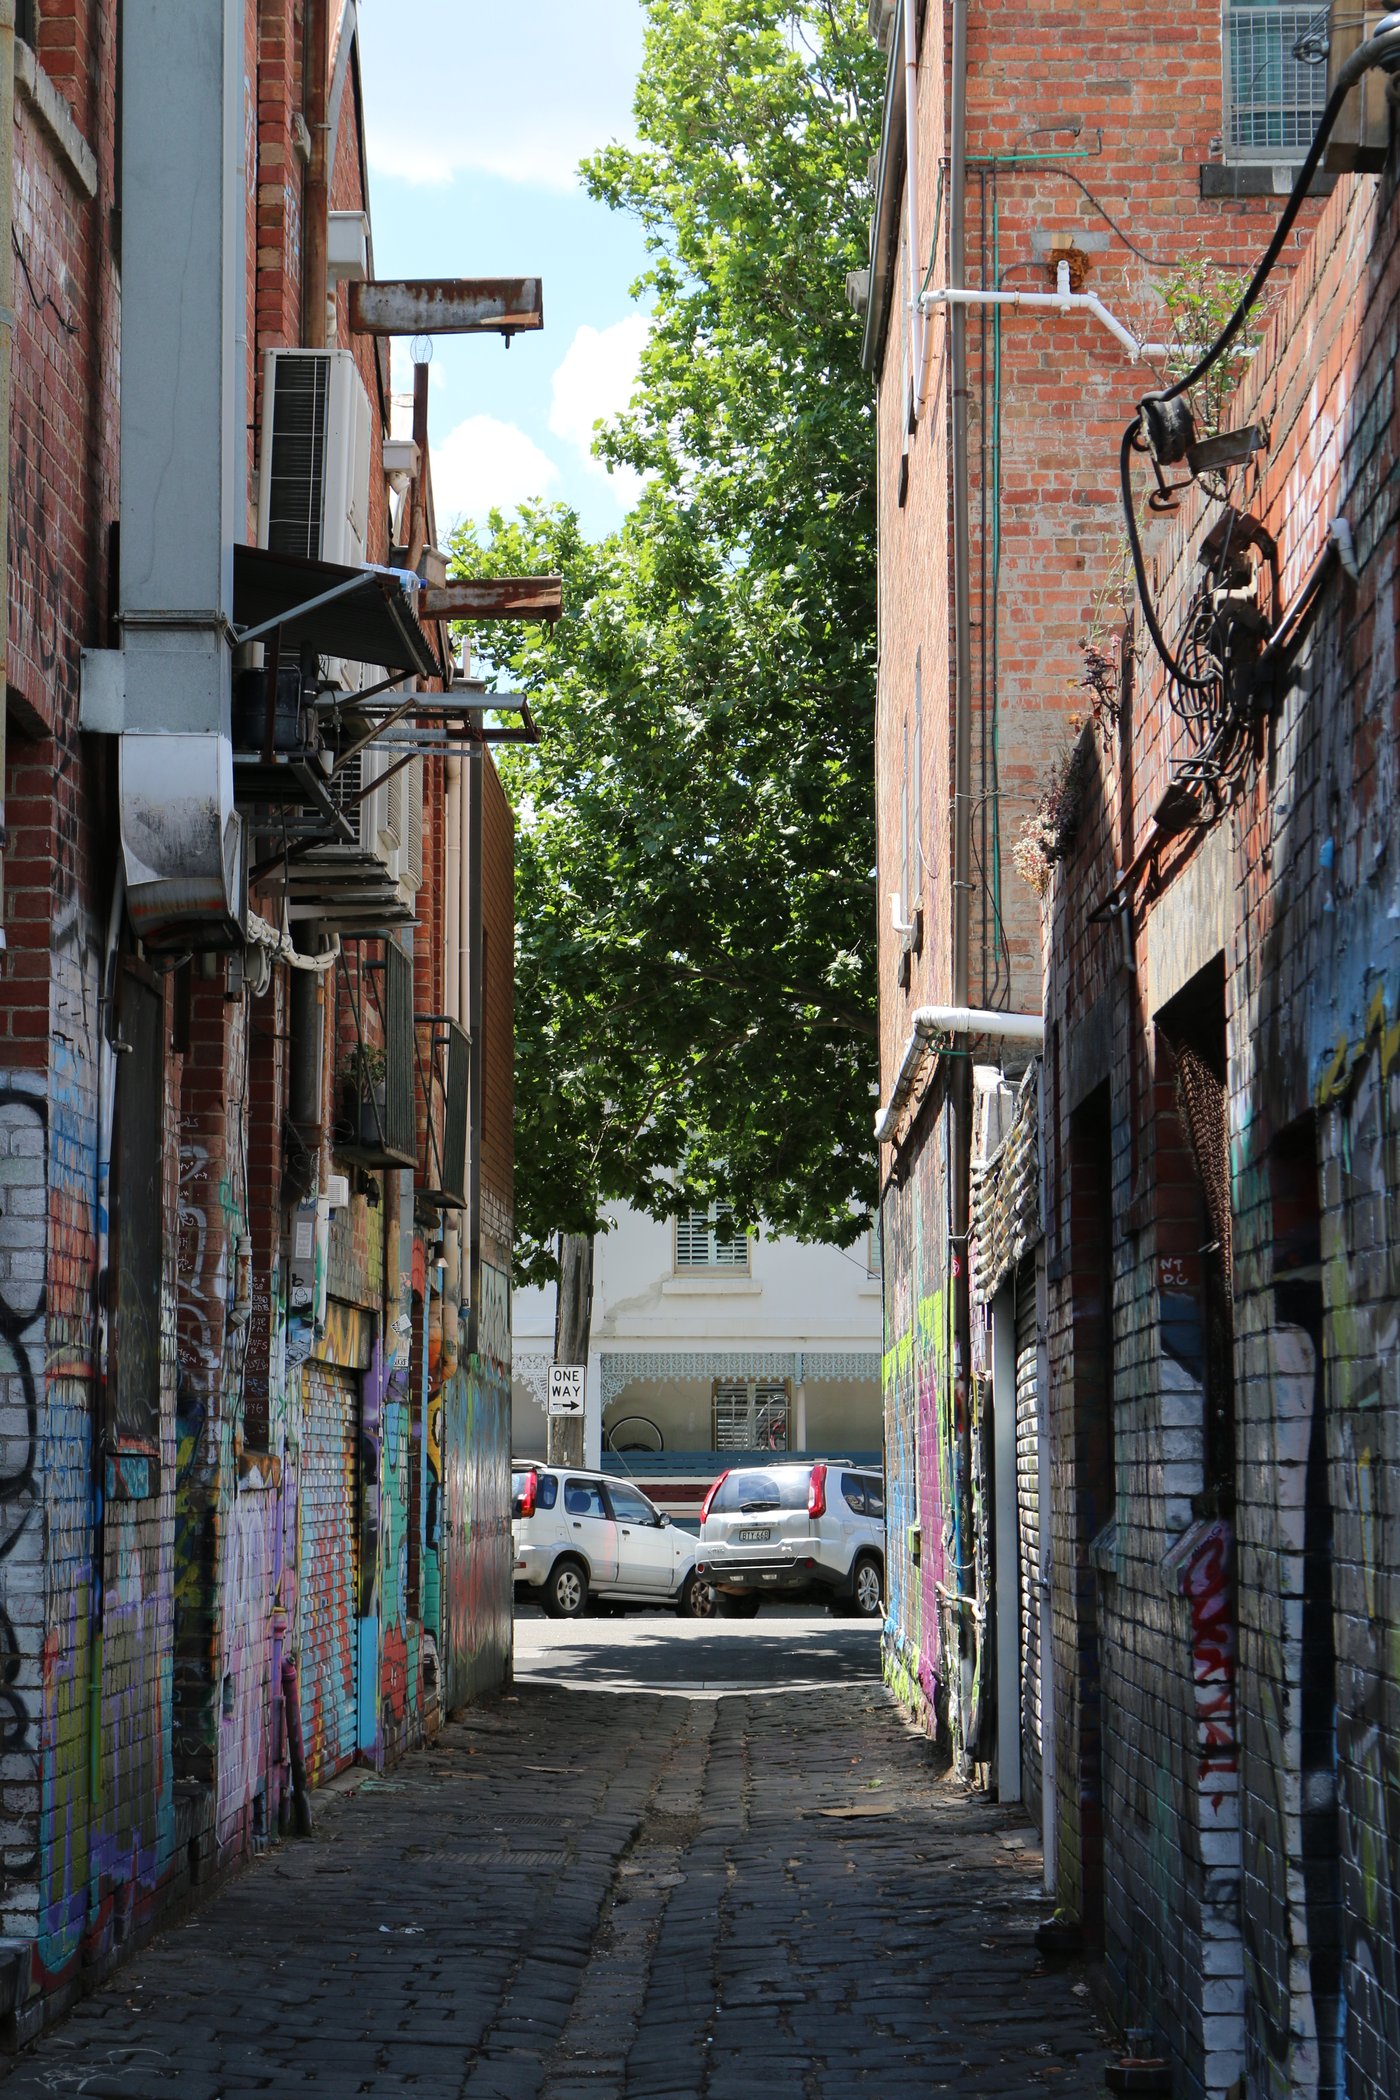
705	1342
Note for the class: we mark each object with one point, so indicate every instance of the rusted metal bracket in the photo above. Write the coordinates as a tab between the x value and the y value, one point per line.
447	306
495	598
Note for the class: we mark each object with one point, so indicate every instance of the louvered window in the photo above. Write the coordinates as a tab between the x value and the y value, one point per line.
411	870
750	1414
709	1239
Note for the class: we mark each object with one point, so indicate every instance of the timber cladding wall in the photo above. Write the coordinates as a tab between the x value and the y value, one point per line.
1250	1800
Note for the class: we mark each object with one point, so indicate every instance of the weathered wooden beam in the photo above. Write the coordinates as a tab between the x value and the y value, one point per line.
447	306
495	598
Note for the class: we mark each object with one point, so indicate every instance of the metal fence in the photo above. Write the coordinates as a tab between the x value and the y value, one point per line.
1275	78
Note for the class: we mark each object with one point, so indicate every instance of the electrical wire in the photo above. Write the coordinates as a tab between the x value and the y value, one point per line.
1384	36
41	299
1053	166
1382	46
1130	444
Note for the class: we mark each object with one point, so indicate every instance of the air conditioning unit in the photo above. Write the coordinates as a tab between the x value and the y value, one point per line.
313	473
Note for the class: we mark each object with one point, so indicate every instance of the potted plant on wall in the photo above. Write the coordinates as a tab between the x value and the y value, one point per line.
365	1074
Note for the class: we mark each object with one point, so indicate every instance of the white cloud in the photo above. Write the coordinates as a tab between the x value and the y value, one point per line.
485	464
523	94
593	383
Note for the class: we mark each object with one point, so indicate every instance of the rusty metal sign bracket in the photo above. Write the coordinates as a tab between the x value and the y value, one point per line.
447	306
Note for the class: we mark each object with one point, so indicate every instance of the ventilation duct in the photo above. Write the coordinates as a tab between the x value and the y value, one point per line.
183	462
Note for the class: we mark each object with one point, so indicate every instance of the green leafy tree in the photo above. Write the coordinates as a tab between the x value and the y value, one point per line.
696	1011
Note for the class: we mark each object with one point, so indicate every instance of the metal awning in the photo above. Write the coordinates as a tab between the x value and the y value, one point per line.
367	615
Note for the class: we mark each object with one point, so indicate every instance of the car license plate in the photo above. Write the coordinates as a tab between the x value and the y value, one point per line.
755	1538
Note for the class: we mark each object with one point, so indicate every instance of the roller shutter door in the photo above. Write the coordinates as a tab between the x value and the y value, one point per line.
1028	1529
329	1533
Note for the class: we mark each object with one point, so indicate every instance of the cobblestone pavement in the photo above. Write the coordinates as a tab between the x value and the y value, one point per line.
592	1893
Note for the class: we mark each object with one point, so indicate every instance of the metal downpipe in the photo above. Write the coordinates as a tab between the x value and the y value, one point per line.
960	1088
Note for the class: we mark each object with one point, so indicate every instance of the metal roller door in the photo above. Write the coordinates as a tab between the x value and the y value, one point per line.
1028	1529
329	1535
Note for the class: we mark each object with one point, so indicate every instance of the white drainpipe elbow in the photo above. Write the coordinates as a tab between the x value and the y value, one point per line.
980	1020
930	1022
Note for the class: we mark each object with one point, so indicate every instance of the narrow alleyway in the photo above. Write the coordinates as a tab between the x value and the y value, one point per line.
579	1892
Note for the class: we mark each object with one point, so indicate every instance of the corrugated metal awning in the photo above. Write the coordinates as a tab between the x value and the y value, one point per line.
364	614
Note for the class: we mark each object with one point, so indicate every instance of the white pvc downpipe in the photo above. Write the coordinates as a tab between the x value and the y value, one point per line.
1062	301
452	930
918	319
928	1022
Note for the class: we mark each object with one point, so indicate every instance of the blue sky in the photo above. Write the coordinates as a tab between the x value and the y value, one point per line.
477	116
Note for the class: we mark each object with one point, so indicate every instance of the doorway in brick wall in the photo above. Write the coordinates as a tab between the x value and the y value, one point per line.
1095	1467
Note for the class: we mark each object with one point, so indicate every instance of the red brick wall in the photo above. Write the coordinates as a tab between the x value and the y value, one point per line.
1292	886
498	1088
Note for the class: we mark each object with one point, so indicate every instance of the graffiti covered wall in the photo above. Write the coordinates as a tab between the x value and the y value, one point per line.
921	1663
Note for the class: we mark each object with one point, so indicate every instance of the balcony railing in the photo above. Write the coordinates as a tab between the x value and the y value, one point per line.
443	1054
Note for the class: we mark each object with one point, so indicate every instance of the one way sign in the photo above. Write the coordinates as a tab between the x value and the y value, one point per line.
566	1389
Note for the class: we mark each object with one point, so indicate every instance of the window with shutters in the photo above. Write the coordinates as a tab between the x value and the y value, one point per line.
709	1239
750	1414
411	868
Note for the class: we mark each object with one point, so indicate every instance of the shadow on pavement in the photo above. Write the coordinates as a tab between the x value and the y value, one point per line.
652	1657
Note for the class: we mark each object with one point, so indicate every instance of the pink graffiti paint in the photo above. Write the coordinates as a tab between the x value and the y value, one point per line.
1203	1563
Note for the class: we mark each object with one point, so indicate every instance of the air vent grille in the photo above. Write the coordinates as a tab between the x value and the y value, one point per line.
297	470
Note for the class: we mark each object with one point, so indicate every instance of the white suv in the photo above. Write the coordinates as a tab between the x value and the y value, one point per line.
579	1535
786	1530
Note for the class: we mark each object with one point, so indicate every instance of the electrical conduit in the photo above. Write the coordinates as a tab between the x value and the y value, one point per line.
918	319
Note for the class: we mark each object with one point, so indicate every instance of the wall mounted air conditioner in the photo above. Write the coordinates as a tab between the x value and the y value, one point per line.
313	473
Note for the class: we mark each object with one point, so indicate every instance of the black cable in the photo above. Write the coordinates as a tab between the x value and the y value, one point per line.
1347	79
1052	167
1159	641
1356	67
1103	212
41	299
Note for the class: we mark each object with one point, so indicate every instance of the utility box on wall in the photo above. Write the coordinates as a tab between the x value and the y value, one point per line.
1360	138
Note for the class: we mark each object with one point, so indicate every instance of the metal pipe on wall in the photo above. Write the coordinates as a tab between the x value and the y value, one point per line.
452	928
316	59
7	330
918	320
475	760
962	535
960	1081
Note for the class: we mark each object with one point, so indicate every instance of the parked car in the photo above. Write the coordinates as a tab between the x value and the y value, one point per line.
582	1536
786	1530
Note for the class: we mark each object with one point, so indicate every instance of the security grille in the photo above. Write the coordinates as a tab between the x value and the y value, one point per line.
750	1415
1273	95
708	1239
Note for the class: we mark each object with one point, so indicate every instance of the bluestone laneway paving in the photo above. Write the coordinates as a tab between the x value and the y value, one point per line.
622	1894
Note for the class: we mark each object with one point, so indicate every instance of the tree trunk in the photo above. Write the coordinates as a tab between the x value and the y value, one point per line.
573	1323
